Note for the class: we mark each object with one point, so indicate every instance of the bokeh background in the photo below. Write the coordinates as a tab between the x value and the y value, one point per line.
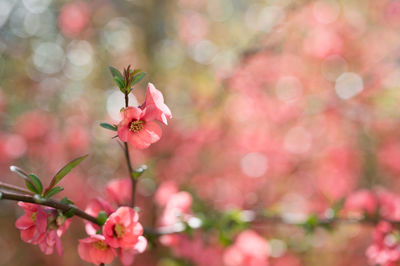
288	105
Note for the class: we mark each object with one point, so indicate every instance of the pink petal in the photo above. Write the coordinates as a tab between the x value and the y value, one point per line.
137	142
24	222
123	131
141	245
130	113
150	133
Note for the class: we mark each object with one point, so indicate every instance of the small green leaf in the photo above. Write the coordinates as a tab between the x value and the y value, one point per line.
115	72
120	82
69	213
65	170
36	183
139	171
65	200
53	192
31	187
102	217
311	223
138	77
108	126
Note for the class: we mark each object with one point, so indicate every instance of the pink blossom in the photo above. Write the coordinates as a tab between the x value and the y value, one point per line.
137	129
177	208
42	226
154	105
33	224
164	192
94	249
119	191
249	249
122	229
360	202
385	249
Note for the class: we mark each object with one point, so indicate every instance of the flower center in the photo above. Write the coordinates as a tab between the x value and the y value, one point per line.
100	245
136	126
119	230
33	216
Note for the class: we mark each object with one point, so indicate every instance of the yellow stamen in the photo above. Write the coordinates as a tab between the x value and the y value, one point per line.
100	245
33	216
119	230
136	126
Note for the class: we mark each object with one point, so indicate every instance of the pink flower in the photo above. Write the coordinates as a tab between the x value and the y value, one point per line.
94	249
385	249
42	226
164	192
360	202
33	224
137	129
119	191
177	209
154	105
122	229
249	249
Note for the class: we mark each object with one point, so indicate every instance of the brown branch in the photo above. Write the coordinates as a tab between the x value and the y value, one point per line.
48	202
128	159
14	188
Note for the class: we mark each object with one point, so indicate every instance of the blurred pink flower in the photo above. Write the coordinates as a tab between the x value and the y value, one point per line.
360	202
74	18
123	230
164	192
94	249
177	209
249	249
385	249
137	129
119	191
154	105
94	207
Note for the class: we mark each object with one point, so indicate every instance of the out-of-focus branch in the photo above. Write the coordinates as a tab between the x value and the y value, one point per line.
249	216
10	187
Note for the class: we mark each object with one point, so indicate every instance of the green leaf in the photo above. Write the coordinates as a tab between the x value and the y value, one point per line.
120	82
65	170
31	187
115	72
138	77
36	183
65	200
53	192
139	171
102	217
69	213
108	126
311	223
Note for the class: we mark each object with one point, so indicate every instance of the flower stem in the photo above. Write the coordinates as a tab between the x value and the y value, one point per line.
128	160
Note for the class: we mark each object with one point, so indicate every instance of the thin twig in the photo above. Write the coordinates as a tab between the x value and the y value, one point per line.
14	188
